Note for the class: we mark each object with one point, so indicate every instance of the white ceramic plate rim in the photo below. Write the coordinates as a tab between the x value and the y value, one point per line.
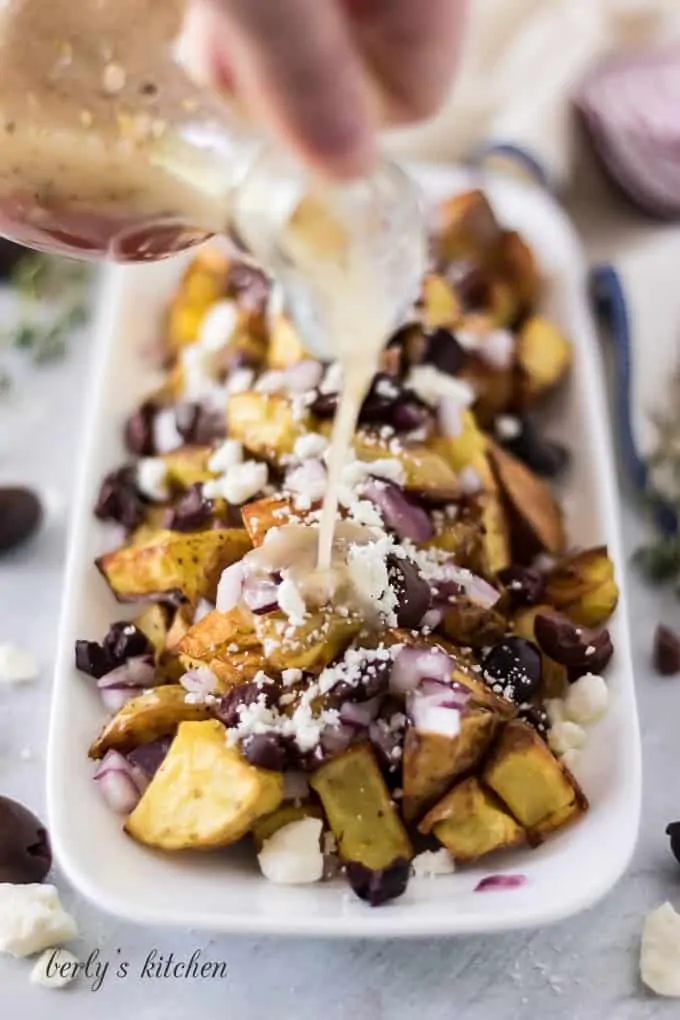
320	911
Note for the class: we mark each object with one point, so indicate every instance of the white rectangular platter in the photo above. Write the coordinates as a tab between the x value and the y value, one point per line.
224	891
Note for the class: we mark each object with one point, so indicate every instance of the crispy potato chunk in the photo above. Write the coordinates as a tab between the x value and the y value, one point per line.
273	512
360	811
583	586
518	268
425	470
469	229
203	283
532	500
266	423
470	822
155	713
163	634
496	540
264	828
537	789
285	346
544	356
468	624
172	564
227	645
440	306
432	762
187	466
204	795
312	645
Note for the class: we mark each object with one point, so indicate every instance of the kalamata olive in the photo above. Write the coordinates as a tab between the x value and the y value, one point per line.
118	499
377	887
537	717
409	412
198	424
92	659
265	751
124	640
150	757
673	830
542	455
525	586
444	351
325	405
381	398
580	649
138	433
249	285
411	589
666	651
243	695
25	855
512	668
192	511
20	516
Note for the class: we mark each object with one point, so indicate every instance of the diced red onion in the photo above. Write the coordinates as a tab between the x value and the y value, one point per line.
469	481
450	416
199	681
496	882
203	608
148	758
230	588
139	671
360	714
308	479
336	739
431	713
114	698
260	594
432	619
448	694
306	375
295	786
476	588
400	514
120	783
412	665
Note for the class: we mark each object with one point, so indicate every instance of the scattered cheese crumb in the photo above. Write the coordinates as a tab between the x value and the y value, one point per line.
431	385
291	676
227	455
587	700
166	438
507	426
660	951
55	968
292	856
152	479
469	481
16	665
567	736
32	919
218	326
309	445
291	602
240	483
433	862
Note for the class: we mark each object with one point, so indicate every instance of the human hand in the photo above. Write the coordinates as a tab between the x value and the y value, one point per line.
324	75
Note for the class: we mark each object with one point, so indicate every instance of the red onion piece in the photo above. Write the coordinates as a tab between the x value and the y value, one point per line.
412	665
336	739
148	758
230	588
475	587
260	594
432	619
496	882
450	695
199	681
295	786
120	783
139	671
432	713
114	698
360	714
400	514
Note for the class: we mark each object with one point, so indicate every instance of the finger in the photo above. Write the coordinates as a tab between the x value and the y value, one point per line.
296	67
412	47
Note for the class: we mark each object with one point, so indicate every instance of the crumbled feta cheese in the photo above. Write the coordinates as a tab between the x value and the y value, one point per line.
291	602
152	479
567	736
587	700
32	919
310	445
355	665
367	568
240	483
273	381
431	385
356	472
197	372
507	426
291	676
292	856
218	325
361	511
497	348
16	665
227	455
240	380
166	438
433	862
469	481
55	968
308	482
660	951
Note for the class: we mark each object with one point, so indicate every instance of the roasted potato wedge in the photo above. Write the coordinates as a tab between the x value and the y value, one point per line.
432	762
583	586
494	389
272	512
264	828
462	536
203	283
425	470
360	811
469	229
266	423
439	304
554	675
154	622
163	631
155	713
543	356
541	794
285	347
188	466
471	822
204	795
518	268
532	501
469	624
310	646
496	554
173	565
227	645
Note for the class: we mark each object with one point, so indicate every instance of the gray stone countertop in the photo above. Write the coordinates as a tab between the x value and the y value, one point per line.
580	969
